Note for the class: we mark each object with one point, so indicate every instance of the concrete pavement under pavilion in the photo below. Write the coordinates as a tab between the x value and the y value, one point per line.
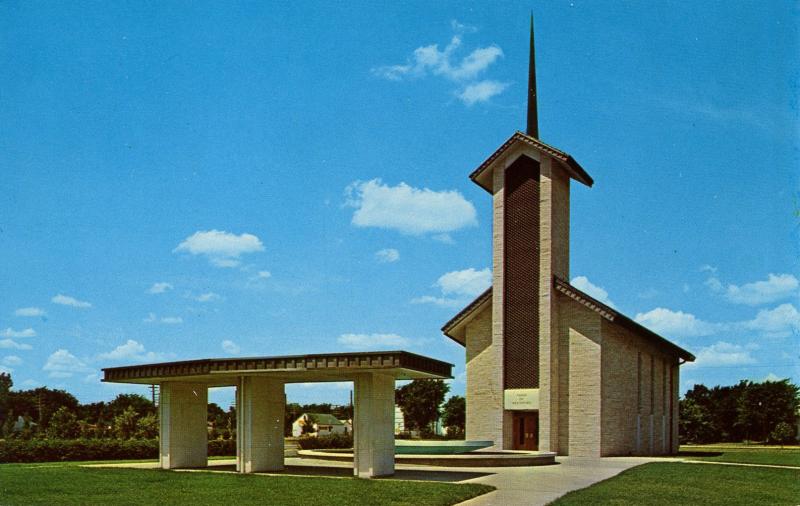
260	403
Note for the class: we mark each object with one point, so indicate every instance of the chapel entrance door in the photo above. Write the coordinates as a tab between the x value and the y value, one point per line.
526	431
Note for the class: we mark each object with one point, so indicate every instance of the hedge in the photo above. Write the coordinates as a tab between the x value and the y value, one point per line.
324	442
53	450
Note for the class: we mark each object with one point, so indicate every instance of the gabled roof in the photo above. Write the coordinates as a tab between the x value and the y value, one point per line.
456	327
320	419
615	316
572	167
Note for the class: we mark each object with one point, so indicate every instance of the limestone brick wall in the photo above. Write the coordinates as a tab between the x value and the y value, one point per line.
636	414
492	375
484	384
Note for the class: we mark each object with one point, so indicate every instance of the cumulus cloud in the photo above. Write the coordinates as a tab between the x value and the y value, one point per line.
13	345
11	360
722	354
781	321
130	351
387	256
582	283
207	297
372	341
66	300
63	364
222	249
9	332
431	60
481	91
167	320
160	287
230	347
29	311
676	323
458	287
409	210
263	275
774	288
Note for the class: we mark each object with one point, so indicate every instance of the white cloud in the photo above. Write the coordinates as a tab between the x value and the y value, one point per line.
467	282
9	332
387	255
160	287
372	341
781	321
583	283
775	287
13	345
264	274
222	249
11	360
722	354
407	209
677	323
6	370
29	311
481	91
458	287
63	364
207	297
130	351
168	320
66	300
230	347
773	377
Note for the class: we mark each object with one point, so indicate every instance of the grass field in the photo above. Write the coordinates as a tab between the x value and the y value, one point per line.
696	484
743	454
67	484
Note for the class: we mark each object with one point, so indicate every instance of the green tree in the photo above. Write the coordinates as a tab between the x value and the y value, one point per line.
63	425
125	424
420	401
783	434
454	415
5	387
39	404
141	404
147	427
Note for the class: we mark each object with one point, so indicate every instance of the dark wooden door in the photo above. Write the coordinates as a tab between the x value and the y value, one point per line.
526	431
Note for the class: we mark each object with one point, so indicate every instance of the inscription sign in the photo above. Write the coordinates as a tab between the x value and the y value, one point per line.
521	398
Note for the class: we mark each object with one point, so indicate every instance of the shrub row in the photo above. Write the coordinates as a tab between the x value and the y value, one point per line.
54	450
324	442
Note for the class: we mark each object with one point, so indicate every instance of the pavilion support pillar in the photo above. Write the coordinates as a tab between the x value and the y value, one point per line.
373	425
183	429
260	405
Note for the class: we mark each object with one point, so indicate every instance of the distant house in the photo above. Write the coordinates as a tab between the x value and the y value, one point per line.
322	424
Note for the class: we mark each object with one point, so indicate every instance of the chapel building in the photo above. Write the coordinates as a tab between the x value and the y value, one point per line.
549	367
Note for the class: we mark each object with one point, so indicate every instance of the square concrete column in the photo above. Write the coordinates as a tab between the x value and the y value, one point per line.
373	425
260	405
183	428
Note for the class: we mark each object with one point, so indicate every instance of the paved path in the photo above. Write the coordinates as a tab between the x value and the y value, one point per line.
531	486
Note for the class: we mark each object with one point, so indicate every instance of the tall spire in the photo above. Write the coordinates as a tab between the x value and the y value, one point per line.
533	116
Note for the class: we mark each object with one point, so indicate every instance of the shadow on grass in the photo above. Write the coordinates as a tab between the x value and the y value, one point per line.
347	472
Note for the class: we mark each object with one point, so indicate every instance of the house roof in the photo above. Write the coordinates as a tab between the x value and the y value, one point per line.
480	175
455	328
321	418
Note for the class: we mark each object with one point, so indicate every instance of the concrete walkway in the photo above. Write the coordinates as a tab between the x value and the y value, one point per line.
531	486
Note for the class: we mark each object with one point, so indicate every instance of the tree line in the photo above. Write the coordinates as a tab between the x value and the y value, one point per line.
748	411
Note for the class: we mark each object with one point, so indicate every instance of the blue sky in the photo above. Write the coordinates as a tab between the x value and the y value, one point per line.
188	179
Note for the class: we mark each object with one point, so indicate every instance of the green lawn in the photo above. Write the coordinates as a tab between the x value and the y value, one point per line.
743	455
70	484
696	484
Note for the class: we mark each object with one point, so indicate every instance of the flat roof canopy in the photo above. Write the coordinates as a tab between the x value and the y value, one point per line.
291	369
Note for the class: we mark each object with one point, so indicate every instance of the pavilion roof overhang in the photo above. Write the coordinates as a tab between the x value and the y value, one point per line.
482	176
291	369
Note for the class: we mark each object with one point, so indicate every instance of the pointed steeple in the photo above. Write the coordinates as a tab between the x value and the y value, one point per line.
533	115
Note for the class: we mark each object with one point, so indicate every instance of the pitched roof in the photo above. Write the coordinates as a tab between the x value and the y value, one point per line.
575	294
465	315
572	167
321	418
615	316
